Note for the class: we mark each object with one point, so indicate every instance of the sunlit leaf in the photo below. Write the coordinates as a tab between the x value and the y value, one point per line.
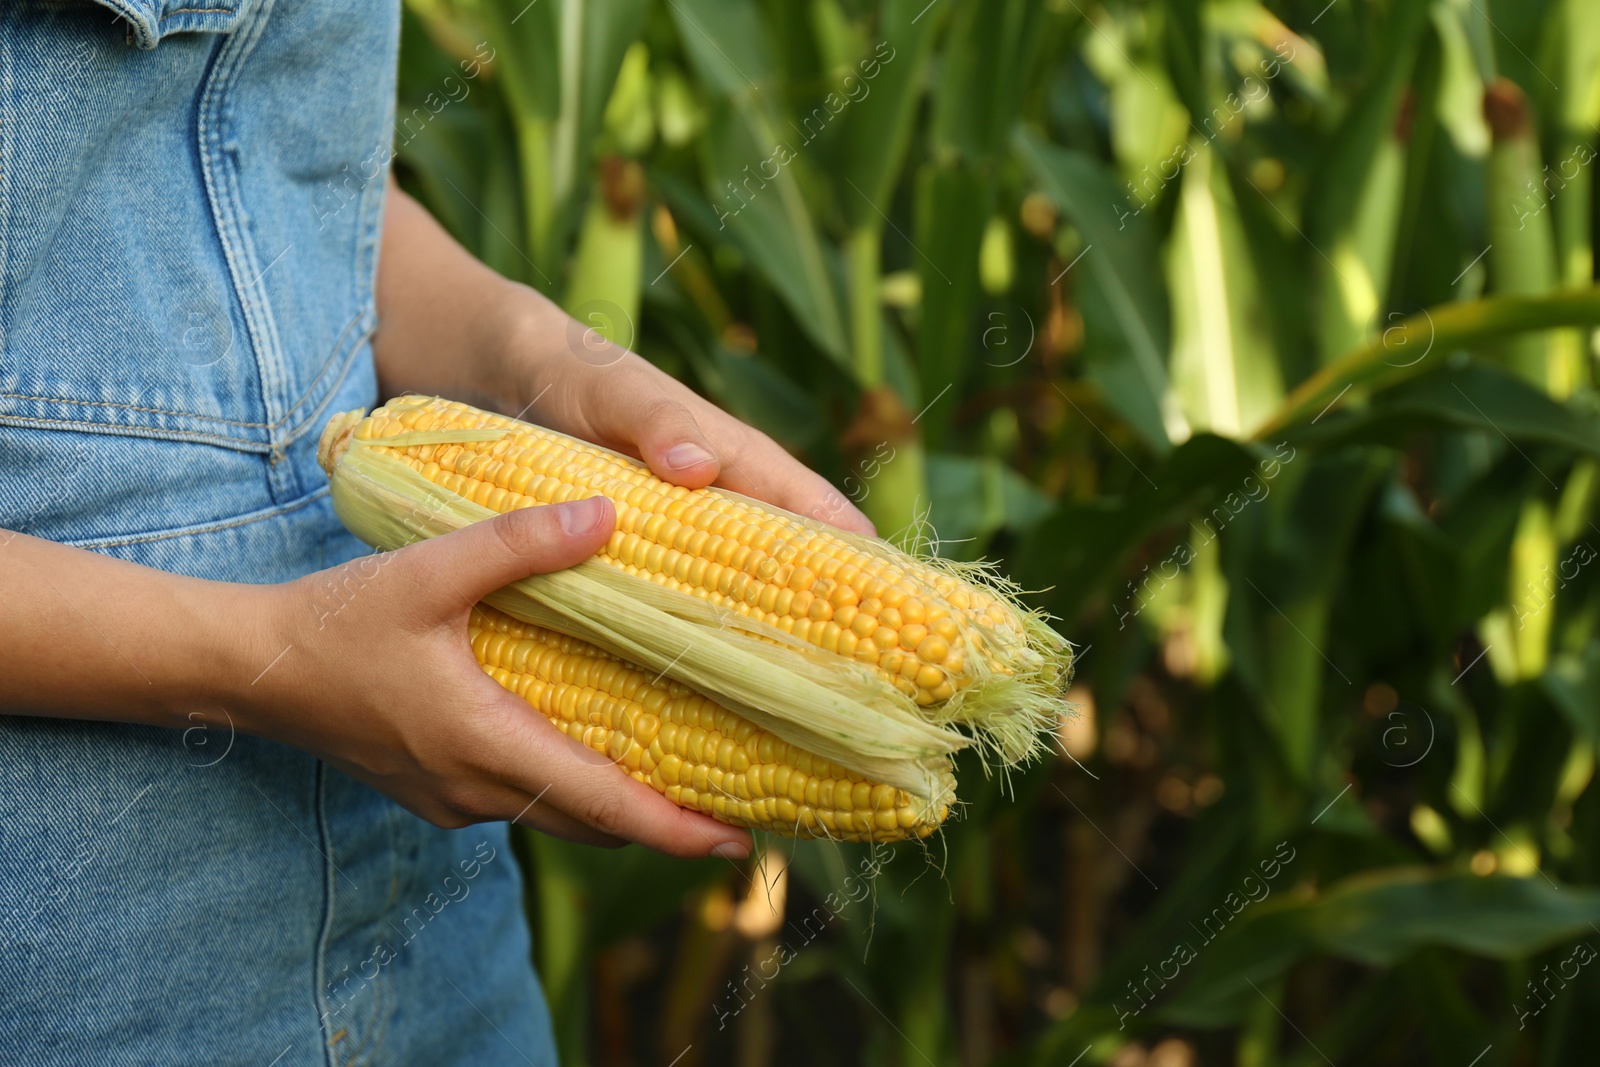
1224	367
1403	350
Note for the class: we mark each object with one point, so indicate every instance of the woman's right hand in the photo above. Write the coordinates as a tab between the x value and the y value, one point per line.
376	677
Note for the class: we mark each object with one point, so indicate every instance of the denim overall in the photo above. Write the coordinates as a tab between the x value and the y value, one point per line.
190	198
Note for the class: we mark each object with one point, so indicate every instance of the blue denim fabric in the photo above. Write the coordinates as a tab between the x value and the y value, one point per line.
190	195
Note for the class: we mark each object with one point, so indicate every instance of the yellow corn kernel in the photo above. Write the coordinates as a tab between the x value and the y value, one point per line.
693	751
736	554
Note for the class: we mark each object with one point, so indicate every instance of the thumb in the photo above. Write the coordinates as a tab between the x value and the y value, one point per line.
476	560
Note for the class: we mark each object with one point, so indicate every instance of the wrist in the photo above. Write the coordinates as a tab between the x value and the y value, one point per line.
528	336
245	666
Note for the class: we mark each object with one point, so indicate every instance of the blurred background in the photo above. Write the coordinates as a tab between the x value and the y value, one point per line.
1258	341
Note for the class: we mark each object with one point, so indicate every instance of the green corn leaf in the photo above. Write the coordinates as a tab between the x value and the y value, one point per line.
527	43
748	156
1472	396
1378	920
950	212
994	44
1125	308
1418	343
876	128
1071	554
1225	370
974	498
1278	615
595	37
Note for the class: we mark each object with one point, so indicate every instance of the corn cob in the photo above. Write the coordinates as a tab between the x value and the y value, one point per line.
928	632
844	651
698	754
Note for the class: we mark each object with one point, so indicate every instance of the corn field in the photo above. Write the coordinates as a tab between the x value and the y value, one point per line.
1258	342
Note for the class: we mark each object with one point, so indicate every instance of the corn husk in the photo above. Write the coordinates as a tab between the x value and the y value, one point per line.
843	711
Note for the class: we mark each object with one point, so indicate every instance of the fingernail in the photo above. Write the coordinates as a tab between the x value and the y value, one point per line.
581	516
731	850
682	457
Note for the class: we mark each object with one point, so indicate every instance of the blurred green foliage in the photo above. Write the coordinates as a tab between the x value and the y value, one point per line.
1259	339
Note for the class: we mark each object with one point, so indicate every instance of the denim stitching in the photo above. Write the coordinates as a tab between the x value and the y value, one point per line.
242	444
139	29
223	197
320	965
327	364
393	822
6	96
158	433
374	198
313	419
197	531
132	407
140	26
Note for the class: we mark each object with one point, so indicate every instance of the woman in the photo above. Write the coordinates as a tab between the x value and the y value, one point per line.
239	770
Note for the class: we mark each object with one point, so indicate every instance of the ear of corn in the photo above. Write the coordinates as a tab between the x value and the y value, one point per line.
850	719
842	646
690	749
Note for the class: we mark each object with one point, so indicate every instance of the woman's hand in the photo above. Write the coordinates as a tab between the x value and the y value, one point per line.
593	389
366	666
379	680
448	325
